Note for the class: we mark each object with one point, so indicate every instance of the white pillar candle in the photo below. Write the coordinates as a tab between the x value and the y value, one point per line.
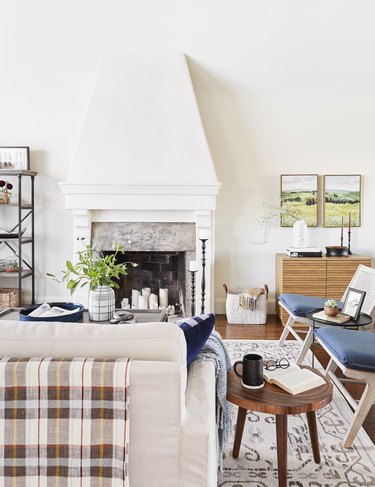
203	233
163	297
146	291
143	302
125	303
193	266
153	300
135	297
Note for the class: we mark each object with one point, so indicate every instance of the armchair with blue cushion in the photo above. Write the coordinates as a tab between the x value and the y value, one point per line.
297	306
353	352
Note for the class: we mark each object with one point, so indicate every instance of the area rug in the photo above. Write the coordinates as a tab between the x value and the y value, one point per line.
256	465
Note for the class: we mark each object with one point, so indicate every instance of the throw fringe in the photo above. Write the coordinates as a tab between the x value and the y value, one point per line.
249	298
216	352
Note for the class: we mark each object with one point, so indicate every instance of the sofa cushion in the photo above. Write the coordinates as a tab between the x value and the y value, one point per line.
354	349
300	305
151	341
196	330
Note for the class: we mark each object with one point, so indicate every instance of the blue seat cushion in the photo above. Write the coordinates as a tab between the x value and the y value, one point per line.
354	349
196	330
300	305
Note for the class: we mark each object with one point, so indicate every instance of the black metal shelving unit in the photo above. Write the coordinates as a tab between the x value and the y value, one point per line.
16	240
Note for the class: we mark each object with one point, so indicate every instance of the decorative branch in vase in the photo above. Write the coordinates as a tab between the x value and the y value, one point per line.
273	211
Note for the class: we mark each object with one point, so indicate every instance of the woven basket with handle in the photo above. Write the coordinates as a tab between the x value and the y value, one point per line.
238	315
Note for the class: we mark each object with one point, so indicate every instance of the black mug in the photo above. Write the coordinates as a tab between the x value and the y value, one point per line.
252	370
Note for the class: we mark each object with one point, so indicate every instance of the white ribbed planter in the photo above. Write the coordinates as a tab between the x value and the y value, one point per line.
101	303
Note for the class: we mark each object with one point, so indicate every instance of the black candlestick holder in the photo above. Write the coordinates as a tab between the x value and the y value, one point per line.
192	292
203	282
349	238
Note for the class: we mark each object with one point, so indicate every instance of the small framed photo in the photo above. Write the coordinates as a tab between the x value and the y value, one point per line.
14	158
353	303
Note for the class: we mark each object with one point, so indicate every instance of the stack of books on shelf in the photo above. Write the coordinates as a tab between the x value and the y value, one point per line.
304	252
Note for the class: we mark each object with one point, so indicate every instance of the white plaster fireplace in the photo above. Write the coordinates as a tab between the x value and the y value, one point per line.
143	155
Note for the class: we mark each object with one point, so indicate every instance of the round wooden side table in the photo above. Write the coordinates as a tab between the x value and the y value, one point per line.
272	399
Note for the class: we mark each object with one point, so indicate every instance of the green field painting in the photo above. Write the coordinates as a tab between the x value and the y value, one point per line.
299	199
342	197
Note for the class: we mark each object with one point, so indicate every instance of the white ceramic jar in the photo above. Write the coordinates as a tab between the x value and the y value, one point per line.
300	234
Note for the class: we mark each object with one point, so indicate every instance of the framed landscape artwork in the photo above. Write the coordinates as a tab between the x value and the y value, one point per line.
299	199
342	200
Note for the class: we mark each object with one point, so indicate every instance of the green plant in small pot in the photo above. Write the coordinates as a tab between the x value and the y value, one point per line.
331	307
100	272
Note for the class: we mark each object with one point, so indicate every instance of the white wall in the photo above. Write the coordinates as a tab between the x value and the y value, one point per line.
283	87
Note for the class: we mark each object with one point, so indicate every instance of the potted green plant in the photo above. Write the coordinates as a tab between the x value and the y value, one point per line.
331	307
100	272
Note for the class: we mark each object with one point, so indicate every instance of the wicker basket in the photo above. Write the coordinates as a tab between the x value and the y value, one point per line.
9	297
238	315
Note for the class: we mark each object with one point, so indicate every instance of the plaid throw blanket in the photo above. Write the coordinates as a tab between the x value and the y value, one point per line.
64	422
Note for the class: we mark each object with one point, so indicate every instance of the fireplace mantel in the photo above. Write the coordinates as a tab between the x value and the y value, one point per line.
193	203
140	196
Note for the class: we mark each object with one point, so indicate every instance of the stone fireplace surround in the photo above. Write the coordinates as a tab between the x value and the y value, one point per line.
162	250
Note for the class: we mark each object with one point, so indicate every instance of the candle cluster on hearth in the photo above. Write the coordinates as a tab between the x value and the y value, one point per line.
145	299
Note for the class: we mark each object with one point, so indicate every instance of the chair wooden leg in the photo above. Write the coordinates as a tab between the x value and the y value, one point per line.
364	405
331	367
288	328
306	346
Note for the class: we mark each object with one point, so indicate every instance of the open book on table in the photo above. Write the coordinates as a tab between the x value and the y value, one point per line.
47	311
293	379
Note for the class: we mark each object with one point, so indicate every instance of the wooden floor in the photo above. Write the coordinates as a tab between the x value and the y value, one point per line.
272	331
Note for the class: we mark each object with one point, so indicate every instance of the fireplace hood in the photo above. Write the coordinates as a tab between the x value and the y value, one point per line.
143	126
142	155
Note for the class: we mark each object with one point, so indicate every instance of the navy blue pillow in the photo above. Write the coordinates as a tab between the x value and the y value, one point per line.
196	330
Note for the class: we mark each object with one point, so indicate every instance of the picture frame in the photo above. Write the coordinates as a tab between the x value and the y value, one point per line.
14	158
353	303
299	199
342	200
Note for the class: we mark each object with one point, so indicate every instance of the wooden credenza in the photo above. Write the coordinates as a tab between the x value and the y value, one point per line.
315	276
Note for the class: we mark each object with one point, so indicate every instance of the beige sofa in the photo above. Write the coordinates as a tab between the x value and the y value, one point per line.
172	412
